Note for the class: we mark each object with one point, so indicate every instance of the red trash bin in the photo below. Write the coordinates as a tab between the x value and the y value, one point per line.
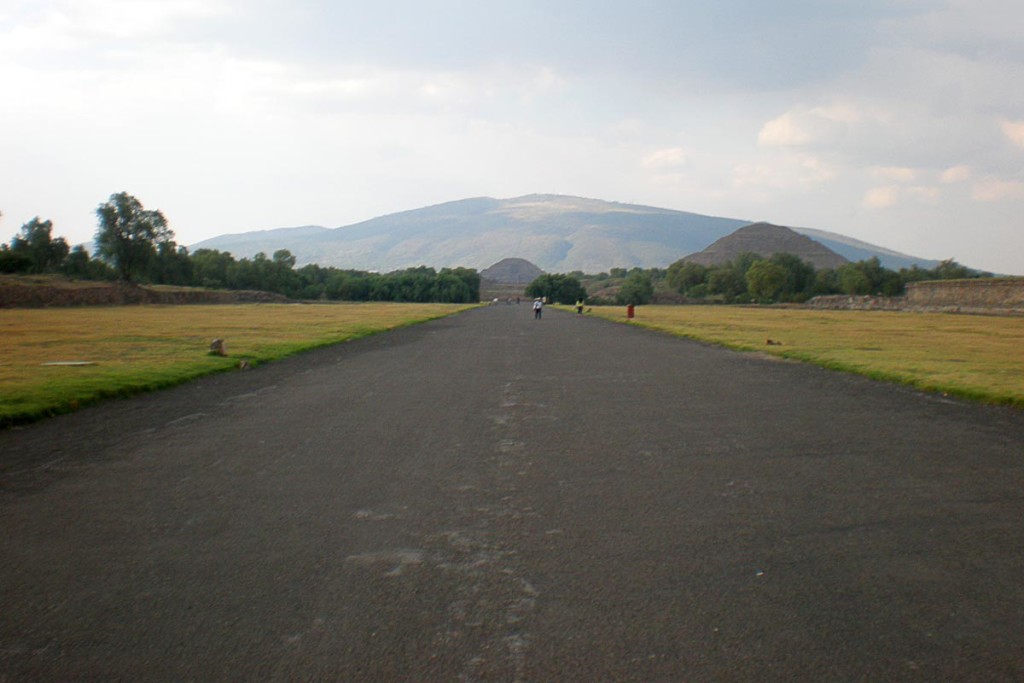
629	311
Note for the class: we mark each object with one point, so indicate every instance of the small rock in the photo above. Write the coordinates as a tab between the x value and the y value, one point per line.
218	347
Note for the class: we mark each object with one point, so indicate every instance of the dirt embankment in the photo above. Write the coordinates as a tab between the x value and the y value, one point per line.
27	292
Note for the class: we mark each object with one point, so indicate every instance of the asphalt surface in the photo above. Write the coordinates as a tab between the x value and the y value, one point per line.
492	498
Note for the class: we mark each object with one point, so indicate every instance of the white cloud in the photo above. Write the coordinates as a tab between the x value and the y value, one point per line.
794	173
881	197
925	193
887	196
956	174
54	27
993	189
835	124
1014	131
894	173
839	112
666	158
784	131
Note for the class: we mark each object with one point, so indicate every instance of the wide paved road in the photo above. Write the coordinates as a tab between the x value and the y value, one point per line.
493	498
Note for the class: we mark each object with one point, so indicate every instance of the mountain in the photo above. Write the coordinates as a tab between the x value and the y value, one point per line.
855	250
557	233
765	239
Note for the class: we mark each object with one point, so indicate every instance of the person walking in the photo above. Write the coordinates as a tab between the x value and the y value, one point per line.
579	306
538	309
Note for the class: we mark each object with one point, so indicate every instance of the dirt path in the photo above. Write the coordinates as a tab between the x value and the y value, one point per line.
492	498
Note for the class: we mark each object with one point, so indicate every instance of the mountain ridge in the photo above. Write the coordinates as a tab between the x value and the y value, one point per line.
558	233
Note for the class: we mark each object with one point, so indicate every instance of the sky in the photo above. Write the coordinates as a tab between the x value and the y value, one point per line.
896	122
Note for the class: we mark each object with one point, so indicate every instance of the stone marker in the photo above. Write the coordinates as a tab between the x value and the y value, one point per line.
218	347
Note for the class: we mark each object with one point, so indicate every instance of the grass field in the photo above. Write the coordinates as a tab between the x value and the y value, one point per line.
140	348
977	357
130	349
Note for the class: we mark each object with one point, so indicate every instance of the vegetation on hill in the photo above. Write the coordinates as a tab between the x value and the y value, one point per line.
787	278
780	278
136	245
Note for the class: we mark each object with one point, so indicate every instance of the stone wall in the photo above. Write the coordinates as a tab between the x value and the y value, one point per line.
845	302
1003	293
992	296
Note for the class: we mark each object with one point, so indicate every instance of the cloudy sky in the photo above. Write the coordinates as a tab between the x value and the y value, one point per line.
898	122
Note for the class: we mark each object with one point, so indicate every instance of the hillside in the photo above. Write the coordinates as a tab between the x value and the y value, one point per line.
765	239
557	233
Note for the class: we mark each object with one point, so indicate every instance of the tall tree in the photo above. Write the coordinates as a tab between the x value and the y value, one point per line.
766	280
558	288
685	275
637	289
800	277
36	243
128	234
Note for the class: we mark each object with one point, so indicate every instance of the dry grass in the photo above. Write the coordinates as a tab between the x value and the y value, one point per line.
980	357
139	348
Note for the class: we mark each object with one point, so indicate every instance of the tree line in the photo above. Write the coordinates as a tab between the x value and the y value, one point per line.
749	278
136	245
783	278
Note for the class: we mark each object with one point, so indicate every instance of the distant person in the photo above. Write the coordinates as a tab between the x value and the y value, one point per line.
538	309
579	306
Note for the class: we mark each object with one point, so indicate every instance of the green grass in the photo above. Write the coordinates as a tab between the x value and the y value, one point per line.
975	357
132	349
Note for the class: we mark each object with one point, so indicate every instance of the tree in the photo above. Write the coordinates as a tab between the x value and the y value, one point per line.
77	262
766	280
727	281
562	289
826	281
470	277
171	265
951	270
35	242
853	280
11	262
685	275
873	279
800	277
210	267
283	257
128	234
449	288
636	290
